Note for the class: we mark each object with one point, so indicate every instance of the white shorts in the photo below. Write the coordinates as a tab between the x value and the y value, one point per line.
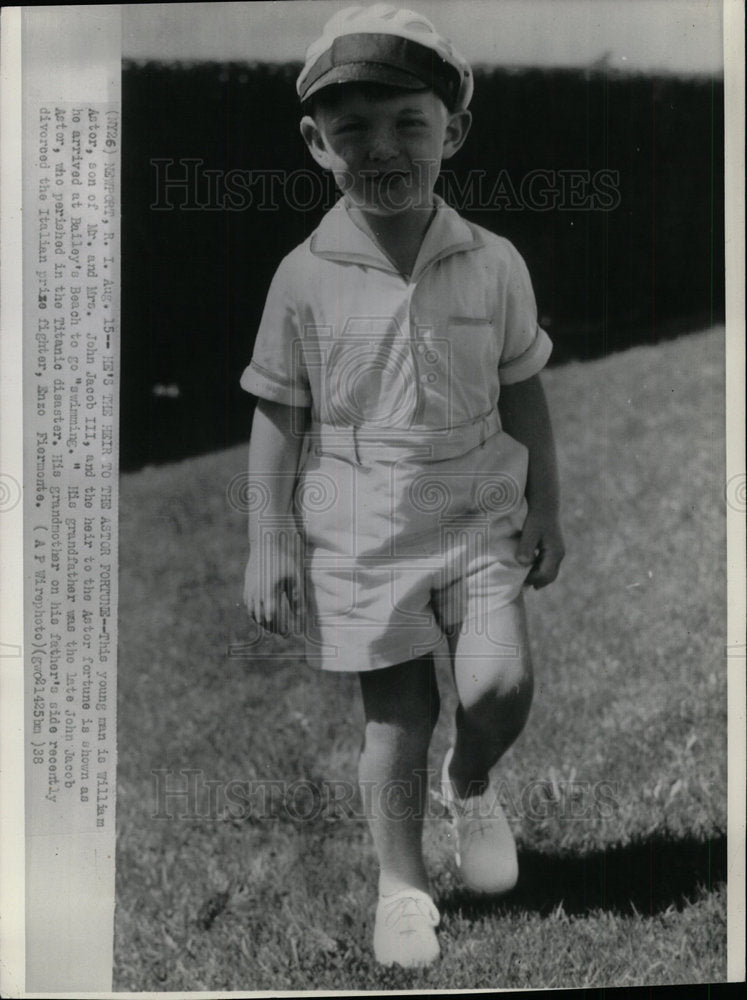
398	551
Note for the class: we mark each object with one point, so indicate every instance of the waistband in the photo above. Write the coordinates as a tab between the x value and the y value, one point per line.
364	444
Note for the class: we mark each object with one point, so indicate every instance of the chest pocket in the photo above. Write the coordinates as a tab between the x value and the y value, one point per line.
474	362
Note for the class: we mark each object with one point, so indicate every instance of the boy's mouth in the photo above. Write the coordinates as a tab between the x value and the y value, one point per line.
387	179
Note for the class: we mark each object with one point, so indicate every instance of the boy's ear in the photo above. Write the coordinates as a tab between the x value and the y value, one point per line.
312	136
457	129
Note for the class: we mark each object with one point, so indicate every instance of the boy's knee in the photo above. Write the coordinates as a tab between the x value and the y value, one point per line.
499	679
504	703
514	682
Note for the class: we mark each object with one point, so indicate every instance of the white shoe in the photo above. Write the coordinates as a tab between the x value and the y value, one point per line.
404	932
485	848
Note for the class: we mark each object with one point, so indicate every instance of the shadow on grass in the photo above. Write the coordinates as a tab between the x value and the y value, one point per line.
648	877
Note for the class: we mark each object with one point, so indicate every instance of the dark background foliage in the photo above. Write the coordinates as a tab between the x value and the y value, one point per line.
608	272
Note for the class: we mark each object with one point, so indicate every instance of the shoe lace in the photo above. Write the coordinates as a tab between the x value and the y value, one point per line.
476	826
405	905
470	808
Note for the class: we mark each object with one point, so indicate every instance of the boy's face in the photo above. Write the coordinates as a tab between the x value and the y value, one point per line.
385	153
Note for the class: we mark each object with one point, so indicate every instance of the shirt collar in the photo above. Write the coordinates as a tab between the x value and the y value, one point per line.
338	238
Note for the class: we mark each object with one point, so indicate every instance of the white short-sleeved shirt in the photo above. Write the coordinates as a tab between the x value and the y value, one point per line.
400	546
344	332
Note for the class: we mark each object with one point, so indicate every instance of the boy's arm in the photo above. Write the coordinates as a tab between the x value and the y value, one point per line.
274	567
525	416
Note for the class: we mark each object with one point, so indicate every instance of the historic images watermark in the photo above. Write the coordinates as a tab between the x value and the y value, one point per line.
187	184
188	794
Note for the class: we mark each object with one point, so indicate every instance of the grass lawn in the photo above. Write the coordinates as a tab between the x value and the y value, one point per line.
617	787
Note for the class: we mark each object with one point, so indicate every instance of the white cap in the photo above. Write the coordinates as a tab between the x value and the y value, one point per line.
381	44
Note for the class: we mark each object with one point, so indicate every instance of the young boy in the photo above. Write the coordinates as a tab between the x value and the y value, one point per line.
403	449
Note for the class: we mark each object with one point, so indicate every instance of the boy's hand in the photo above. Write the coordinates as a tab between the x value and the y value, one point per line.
273	583
541	546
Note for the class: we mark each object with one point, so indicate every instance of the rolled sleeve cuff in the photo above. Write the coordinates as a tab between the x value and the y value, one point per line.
261	382
530	362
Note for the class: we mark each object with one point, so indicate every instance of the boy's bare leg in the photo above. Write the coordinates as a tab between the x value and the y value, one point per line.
401	705
494	684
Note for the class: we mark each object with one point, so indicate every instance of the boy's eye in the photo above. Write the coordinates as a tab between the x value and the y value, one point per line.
411	123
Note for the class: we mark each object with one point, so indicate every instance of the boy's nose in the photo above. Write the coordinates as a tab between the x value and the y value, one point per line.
383	145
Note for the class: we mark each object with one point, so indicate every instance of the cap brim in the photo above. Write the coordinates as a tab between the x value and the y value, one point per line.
362	72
